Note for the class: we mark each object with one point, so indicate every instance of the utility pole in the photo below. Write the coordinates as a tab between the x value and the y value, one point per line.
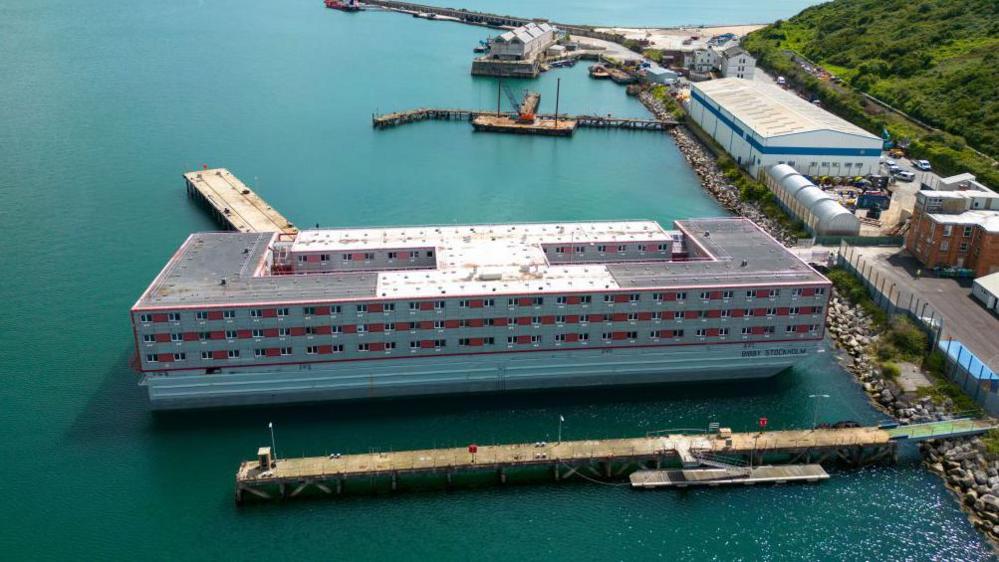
558	88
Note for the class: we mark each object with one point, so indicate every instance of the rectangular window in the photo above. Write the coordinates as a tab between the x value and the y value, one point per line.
148	338
393	255
390	327
258	353
362	308
788	329
771	311
362	328
336	329
601	248
746	331
438	324
584	337
337	349
701	332
228	314
727	294
657	297
820	291
285	351
388	307
705	295
345	257
792	310
231	334
173	316
963	247
722	331
324	257
439	305
750	294
632	316
308	310
796	292
580	249
621	249
560	319
145	318
233	354
152	358
283	332
201	315
206	354
336	309
681	296
561	300
608	298
725	313
256	313
634	297
774	293
414	345
678	315
311	350
662	247
586	300
967	231
363	347
657	316
677	333
310	331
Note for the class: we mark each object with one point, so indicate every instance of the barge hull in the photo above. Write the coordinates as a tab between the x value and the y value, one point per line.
483	373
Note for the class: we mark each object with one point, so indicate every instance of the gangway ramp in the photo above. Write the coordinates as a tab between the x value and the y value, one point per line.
728	476
946	429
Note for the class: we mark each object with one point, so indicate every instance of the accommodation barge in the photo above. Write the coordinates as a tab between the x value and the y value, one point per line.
254	318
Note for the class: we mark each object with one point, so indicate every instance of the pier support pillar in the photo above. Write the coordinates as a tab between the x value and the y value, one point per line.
557	475
502	475
395	481
282	491
608	469
339	486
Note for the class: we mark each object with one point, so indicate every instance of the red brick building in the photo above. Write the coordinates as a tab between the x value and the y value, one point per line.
956	229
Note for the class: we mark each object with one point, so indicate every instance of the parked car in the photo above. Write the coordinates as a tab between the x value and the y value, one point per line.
923	165
894	170
905	176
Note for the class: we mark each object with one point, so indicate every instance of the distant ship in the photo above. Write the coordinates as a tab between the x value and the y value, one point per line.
346	6
254	318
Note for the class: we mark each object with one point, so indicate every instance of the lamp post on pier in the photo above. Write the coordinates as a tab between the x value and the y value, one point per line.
815	408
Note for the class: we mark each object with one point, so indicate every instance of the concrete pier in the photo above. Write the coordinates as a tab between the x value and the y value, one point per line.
234	204
601	459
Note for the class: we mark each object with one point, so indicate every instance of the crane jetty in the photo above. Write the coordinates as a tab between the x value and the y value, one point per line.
713	458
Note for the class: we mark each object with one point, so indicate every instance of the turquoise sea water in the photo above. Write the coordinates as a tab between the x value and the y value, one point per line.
103	105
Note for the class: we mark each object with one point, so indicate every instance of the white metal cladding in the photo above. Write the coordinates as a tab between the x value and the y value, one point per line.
781	171
820	212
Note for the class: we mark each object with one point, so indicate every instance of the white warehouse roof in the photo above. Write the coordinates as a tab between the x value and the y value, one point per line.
771	111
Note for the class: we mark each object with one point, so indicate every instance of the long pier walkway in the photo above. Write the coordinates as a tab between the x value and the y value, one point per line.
234	204
487	19
266	478
442	114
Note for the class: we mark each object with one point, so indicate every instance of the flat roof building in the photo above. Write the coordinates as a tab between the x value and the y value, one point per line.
986	290
241	318
761	125
957	229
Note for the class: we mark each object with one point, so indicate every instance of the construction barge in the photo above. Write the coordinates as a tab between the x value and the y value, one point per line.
705	459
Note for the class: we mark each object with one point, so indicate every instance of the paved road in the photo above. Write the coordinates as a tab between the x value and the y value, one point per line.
965	319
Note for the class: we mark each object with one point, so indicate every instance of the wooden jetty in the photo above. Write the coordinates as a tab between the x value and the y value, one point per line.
768	474
592	121
234	204
267	478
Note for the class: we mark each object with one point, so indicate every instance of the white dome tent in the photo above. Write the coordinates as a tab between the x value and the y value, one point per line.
822	214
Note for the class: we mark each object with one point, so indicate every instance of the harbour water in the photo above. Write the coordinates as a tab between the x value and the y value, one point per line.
103	105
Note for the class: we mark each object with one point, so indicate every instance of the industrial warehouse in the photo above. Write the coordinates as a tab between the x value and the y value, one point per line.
761	125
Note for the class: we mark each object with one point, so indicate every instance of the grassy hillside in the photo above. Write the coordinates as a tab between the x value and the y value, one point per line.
934	59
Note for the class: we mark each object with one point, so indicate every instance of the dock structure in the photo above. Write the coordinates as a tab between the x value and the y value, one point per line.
608	459
768	474
234	204
488	19
395	119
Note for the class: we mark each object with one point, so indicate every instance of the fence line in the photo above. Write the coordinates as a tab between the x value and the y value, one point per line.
960	368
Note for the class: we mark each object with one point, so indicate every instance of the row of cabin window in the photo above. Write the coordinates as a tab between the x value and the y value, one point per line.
467	303
485	322
464	342
367	256
602	248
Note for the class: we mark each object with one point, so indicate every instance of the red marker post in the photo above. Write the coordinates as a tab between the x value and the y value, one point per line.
473	448
763	424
